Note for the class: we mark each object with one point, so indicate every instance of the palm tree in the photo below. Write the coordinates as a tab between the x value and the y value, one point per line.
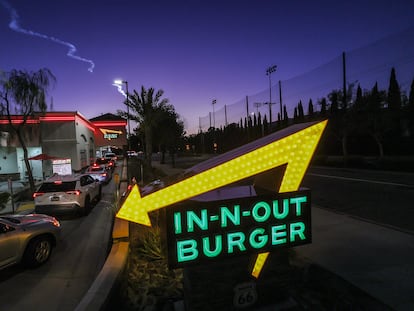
24	93
144	108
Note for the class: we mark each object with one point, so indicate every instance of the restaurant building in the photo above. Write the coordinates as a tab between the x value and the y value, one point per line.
57	137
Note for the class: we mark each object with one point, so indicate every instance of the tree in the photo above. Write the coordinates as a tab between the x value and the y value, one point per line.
169	131
410	109
301	113
394	103
323	107
394	93
310	109
23	93
144	108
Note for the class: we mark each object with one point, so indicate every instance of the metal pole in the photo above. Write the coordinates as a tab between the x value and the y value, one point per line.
269	72
280	99
129	129
214	114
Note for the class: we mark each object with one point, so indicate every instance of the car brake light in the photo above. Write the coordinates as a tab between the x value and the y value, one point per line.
74	192
104	174
56	222
57	182
37	194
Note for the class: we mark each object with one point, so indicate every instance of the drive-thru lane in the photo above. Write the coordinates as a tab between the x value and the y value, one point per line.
63	281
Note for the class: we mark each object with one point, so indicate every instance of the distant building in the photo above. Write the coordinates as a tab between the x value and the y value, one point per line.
110	133
63	135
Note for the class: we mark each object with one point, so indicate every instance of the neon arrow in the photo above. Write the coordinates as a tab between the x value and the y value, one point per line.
295	150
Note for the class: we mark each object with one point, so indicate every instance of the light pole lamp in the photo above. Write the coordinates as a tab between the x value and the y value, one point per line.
120	82
269	72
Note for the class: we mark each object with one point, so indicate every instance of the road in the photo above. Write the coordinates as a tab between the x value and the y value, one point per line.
61	283
379	196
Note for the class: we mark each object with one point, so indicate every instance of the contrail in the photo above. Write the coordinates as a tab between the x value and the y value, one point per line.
119	87
14	25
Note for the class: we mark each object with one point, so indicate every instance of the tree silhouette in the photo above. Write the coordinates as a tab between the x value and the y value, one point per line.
23	93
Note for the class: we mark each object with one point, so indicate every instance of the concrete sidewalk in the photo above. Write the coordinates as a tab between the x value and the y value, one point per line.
377	259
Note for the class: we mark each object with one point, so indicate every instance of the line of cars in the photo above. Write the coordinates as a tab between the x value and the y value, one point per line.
29	239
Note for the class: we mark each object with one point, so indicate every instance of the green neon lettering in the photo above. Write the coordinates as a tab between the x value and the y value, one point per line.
261	238
277	213
278	234
187	250
298	201
297	229
206	246
266	211
235	239
234	216
193	218
177	223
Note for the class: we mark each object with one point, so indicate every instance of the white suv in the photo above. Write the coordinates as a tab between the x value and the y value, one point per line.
67	194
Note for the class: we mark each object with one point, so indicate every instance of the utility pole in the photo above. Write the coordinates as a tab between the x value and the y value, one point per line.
269	72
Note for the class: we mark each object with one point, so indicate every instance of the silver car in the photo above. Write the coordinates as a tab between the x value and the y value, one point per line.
69	194
99	172
27	238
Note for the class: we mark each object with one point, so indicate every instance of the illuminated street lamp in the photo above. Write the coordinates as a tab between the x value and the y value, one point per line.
120	82
269	72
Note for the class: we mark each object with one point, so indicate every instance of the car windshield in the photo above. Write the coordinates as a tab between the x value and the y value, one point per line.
57	186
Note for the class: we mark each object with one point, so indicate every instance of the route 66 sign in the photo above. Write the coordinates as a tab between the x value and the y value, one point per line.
245	295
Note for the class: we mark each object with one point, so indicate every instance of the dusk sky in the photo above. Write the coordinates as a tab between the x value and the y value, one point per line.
196	51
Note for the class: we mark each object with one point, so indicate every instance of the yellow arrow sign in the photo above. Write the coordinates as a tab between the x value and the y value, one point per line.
295	150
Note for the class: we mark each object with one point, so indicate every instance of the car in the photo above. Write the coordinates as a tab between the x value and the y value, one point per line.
109	163
99	172
111	156
132	153
67	194
27	239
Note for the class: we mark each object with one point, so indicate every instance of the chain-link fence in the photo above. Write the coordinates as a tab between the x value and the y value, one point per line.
364	66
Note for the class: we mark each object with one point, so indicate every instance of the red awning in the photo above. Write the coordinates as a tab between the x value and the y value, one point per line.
43	156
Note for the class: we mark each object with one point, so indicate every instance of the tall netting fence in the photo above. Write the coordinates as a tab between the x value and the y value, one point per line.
364	66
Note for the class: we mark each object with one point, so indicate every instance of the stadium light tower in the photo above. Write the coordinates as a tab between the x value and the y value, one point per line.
269	72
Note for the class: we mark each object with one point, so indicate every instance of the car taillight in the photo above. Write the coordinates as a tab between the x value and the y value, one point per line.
104	174
55	222
74	192
37	194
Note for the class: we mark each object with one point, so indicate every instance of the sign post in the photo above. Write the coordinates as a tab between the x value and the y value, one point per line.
214	239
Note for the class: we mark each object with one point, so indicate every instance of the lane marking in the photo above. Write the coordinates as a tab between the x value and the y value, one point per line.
362	180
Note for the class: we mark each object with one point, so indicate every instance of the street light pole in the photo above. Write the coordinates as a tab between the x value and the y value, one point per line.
120	82
214	114
269	72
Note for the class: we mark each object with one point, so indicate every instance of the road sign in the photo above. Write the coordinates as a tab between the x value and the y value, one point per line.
293	147
205	231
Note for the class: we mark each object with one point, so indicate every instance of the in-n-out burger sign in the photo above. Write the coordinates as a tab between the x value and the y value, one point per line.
110	134
203	231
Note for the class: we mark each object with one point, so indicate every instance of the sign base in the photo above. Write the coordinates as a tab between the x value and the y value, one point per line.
228	285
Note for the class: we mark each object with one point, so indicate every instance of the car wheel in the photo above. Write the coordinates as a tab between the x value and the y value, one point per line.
38	251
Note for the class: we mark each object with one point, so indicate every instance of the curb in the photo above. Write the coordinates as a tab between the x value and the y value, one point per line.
99	295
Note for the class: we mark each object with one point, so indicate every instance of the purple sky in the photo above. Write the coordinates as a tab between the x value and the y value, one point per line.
196	51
